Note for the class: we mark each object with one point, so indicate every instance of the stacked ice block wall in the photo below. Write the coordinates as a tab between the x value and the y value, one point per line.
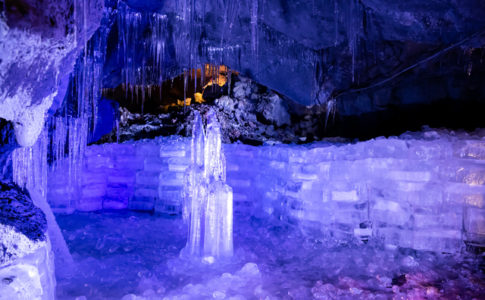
144	176
423	193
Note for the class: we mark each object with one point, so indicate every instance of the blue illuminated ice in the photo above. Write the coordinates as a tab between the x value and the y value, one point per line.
208	199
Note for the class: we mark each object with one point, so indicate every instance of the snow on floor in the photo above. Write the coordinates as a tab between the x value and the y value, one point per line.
128	255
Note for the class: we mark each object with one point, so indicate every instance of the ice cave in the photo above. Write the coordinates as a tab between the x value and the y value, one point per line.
242	149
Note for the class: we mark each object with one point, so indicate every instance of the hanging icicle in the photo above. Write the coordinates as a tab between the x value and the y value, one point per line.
254	27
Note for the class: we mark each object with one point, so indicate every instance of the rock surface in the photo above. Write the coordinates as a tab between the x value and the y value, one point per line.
26	261
250	114
378	67
369	55
17	210
311	51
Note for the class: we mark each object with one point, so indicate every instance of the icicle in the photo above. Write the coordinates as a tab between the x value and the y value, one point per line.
218	215
229	78
354	26
117	131
254	27
185	88
202	75
195	81
75	21
336	16
330	110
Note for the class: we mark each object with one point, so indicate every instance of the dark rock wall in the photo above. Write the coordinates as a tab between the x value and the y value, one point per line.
360	58
312	50
381	68
18	210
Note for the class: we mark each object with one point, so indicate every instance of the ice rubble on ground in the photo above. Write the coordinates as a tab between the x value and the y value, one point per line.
120	254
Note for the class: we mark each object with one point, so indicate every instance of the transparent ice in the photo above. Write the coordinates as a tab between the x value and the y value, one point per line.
30	170
208	199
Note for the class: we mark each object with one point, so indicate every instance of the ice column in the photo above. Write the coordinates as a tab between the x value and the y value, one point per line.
209	200
30	171
195	189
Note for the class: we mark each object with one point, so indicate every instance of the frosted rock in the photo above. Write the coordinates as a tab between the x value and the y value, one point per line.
274	110
26	262
23	226
242	89
208	260
226	103
132	297
16	245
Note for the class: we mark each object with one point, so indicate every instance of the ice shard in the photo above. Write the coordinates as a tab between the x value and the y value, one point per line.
208	199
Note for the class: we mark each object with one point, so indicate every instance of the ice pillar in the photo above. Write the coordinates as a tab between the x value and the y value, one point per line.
195	189
209	201
30	168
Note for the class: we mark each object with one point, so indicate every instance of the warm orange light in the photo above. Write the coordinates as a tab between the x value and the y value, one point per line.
212	75
187	102
198	98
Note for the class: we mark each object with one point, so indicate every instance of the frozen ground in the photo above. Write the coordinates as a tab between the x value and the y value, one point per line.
136	256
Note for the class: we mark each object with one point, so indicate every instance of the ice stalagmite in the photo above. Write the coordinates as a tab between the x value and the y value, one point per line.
195	189
209	202
218	213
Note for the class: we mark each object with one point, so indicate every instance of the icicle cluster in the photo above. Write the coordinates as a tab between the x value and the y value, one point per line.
29	166
68	144
354	20
209	200
30	170
142	58
144	38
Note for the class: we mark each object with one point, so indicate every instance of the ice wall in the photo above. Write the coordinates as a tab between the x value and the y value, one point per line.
423	191
208	205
